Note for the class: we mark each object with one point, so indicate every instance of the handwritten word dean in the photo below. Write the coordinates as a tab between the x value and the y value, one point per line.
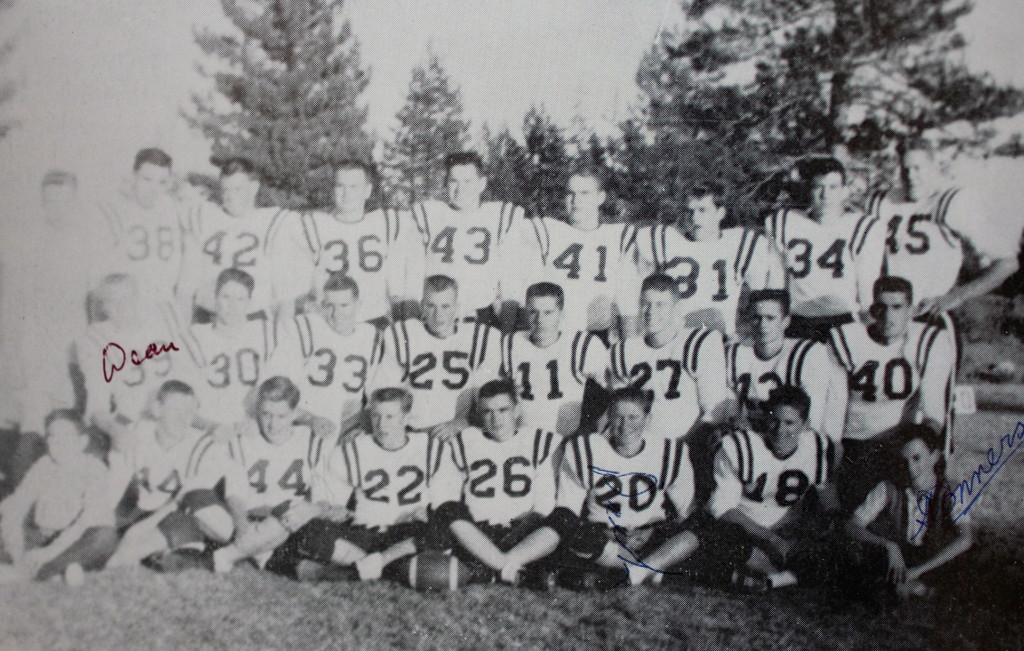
115	357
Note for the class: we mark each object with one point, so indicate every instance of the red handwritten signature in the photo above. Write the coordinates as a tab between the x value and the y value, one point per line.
111	366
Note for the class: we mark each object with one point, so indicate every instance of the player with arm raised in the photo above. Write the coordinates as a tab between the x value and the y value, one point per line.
772	360
501	485
760	478
441	359
899	370
388	474
552	366
710	265
833	254
379	249
465	237
624	497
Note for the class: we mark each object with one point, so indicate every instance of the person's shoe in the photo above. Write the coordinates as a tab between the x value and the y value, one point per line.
74	575
370	567
180	560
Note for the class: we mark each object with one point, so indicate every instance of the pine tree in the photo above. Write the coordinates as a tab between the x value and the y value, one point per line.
293	82
431	127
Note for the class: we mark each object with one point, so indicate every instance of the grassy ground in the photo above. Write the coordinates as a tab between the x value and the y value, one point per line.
248	609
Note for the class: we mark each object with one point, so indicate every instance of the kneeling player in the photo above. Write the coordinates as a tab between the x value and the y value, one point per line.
388	474
760	479
623	500
169	505
502	484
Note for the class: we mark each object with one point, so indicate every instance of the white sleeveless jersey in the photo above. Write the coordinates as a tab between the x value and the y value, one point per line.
710	275
161	474
274	474
920	246
441	373
390	486
749	477
550	380
600	485
686	376
469	247
587	265
499	482
833	266
370	251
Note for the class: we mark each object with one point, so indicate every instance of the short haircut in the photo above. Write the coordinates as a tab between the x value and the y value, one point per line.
893	284
174	386
339	281
498	388
392	394
713	190
278	389
660	283
780	296
70	415
907	432
60	177
151	156
791	396
632	394
232	275
542	289
590	172
818	166
368	169
439	283
237	165
464	158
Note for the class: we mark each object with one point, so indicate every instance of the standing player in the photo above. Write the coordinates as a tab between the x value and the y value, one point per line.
378	249
773	360
332	355
585	257
441	359
465	238
900	371
833	255
500	486
551	366
388	475
682	370
624	502
759	480
710	265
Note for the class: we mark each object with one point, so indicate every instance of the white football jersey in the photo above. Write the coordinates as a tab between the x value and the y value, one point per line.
600	485
587	265
550	381
390	486
228	366
711	274
160	474
897	383
373	251
832	266
499	482
469	247
686	377
804	363
267	475
750	478
442	374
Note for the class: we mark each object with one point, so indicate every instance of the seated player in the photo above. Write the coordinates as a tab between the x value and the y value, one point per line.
552	368
760	482
441	359
332	355
772	359
502	486
682	369
624	499
906	532
900	371
833	254
269	480
59	521
387	475
169	503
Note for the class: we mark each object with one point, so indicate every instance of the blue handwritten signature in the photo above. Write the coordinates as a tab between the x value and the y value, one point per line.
964	493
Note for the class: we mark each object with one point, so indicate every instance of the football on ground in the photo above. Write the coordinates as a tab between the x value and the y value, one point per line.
433	570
